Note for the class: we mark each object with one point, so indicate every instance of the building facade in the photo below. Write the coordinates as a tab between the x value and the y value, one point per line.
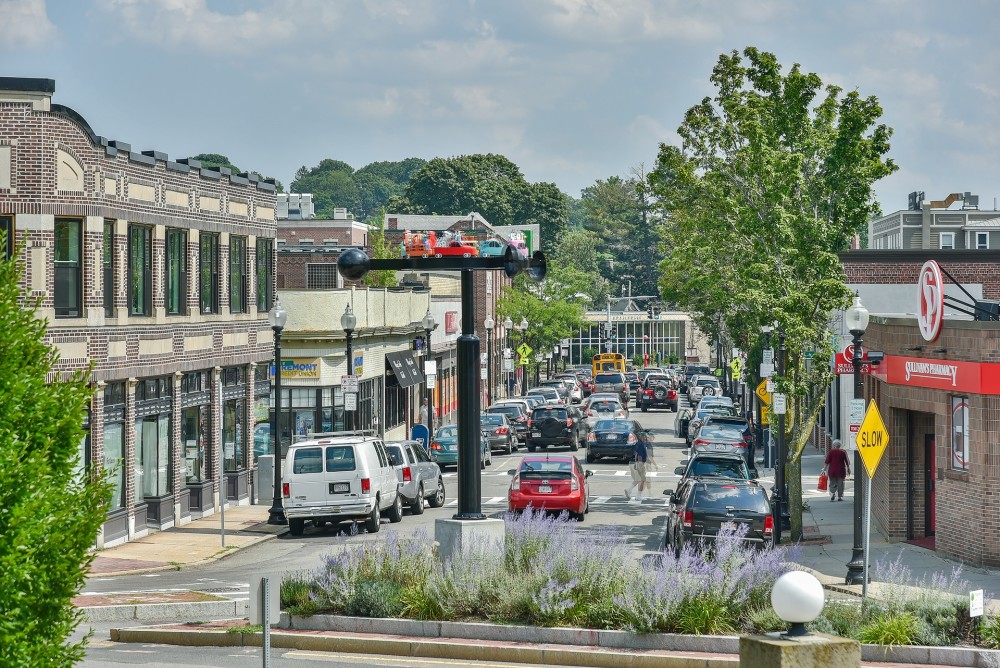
933	225
157	274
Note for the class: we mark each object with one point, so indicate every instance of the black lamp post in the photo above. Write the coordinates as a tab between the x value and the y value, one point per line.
277	316
856	322
429	325
779	467
348	322
489	324
508	325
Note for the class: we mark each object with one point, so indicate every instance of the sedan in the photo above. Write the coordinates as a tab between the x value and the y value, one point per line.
517	416
550	482
550	394
721	438
606	409
616	438
500	430
444	447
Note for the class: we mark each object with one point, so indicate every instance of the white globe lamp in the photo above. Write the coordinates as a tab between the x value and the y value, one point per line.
797	597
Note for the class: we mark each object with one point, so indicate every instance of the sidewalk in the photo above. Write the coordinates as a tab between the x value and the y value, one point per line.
199	541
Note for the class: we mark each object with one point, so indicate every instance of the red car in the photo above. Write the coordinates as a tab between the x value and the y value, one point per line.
550	482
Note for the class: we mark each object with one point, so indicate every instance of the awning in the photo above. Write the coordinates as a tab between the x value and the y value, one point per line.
405	367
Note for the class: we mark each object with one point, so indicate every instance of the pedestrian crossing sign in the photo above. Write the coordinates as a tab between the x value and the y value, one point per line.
872	439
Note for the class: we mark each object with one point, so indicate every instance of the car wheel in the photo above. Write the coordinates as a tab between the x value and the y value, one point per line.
374	521
396	512
296	526
319	524
489	458
579	517
644	408
531	447
574	444
417	507
437	500
590	458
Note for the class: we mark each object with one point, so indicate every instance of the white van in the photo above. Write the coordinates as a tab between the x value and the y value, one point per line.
339	477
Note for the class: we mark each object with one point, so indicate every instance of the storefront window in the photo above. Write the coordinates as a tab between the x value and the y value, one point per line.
114	456
233	420
153	446
195	428
960	433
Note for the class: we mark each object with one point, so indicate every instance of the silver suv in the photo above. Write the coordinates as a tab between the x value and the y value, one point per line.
419	478
612	381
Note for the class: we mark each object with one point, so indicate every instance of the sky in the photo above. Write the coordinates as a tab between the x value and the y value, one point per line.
571	91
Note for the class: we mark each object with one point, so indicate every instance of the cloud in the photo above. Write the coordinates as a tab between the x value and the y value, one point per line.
26	24
611	21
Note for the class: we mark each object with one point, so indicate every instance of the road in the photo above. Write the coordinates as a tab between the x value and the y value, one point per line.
641	524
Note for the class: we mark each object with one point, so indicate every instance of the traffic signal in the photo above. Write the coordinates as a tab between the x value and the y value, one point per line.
649	310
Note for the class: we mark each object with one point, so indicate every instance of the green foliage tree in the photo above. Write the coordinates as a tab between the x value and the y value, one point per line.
215	161
578	249
549	210
335	184
50	508
773	177
381	250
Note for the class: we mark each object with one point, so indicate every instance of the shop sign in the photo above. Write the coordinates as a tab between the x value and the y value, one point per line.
930	300
298	368
844	360
949	375
451	322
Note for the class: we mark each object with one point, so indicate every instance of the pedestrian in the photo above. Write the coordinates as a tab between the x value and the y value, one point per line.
423	412
637	468
837	467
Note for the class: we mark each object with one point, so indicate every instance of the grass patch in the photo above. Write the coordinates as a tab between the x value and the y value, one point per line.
246	628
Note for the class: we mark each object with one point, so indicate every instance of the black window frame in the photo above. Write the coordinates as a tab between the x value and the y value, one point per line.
208	272
175	271
68	272
264	257
238	275
108	267
6	237
143	274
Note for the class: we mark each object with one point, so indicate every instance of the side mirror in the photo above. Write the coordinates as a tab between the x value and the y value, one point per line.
512	472
753	474
588	474
679	470
673	499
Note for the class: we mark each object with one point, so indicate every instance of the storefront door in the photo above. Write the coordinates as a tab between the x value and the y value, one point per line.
929	516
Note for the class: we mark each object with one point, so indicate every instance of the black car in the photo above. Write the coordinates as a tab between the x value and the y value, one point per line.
616	438
693	370
697	514
712	465
555	425
656	390
516	416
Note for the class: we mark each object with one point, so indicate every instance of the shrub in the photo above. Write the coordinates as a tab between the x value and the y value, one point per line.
989	632
890	630
375	598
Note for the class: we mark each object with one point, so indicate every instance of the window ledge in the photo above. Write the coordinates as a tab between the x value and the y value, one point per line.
961	476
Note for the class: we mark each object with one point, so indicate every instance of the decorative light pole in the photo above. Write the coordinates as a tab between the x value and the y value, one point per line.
429	324
779	468
856	322
277	316
489	324
508	325
348	322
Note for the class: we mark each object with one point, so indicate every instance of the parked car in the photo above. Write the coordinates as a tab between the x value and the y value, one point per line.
736	421
444	447
616	438
612	381
703	386
656	390
517	413
551	395
698	513
419	478
554	425
500	431
605	409
339	478
550	482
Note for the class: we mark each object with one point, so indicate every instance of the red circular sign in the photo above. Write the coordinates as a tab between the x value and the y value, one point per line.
930	298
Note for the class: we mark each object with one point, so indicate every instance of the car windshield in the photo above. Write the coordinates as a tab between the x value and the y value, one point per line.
451	431
546	469
604	406
720	431
657	379
738	497
716	410
545	413
704	382
514	411
395	454
488	418
609	378
726	468
612	425
544	391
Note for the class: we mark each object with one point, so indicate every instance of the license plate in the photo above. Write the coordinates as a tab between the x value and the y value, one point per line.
536	433
340	488
721	446
544	489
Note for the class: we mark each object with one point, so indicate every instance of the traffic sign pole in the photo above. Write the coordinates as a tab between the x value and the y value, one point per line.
868	535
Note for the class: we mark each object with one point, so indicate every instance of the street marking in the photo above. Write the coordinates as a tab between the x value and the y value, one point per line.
600	499
495	500
621	473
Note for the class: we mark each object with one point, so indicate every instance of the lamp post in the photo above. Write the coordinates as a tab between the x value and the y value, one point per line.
768	455
429	324
508	325
779	467
348	321
489	324
856	322
277	316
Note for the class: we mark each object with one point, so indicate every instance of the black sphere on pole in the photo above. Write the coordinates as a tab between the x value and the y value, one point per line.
277	317
856	320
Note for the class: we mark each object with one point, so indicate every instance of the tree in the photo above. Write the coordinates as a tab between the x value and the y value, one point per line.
773	177
215	161
51	507
381	250
578	249
547	208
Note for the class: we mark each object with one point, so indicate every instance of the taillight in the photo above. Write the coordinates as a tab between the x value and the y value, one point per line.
569	422
285	491
590	413
501	431
529	423
688	520
747	437
407	475
631	439
515	484
574	484
769	525
435	446
591	437
366	485
649	393
620	414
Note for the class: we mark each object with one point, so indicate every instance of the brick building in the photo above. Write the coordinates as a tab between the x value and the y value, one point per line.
159	273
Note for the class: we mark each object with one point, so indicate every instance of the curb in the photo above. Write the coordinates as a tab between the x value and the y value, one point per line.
223	553
151	612
598	657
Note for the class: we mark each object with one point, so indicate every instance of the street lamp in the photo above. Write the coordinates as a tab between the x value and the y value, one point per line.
856	322
779	467
429	324
277	316
348	322
797	597
508	325
489	324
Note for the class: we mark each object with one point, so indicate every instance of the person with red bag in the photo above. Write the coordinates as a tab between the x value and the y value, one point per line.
837	467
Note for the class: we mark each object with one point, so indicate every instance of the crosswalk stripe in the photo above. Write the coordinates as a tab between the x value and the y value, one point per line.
495	500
